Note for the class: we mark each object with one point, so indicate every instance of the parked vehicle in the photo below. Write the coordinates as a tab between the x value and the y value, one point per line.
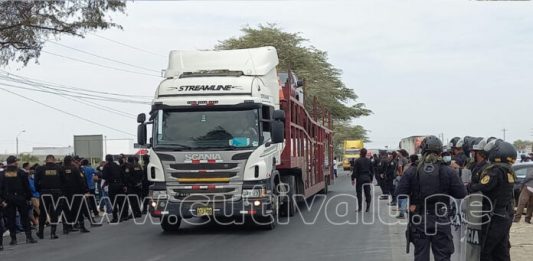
229	141
351	152
521	170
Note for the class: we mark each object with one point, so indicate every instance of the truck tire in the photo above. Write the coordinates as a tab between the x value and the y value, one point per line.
271	221
325	189
289	205
170	223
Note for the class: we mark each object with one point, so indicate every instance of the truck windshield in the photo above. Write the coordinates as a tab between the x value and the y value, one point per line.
207	129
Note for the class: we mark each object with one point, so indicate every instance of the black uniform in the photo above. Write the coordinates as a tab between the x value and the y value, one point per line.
133	176
390	175
114	177
496	184
48	184
17	194
145	186
423	183
363	174
74	189
477	169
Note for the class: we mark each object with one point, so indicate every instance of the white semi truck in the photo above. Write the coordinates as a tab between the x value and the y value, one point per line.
217	145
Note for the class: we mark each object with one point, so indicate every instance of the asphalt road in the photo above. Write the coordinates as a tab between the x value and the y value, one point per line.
321	240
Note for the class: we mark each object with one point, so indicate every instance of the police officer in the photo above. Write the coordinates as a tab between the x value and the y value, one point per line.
390	176
458	152
133	175
496	183
114	176
429	186
75	189
48	184
480	160
362	176
145	183
17	197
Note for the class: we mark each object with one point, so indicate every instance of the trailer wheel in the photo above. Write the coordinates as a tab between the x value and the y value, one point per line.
170	223
325	189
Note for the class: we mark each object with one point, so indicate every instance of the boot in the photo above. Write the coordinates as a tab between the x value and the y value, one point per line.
1	243
40	234
30	239
82	227
94	223
84	230
13	241
367	207
53	232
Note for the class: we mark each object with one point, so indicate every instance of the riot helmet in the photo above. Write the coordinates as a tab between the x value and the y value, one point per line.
431	144
503	152
453	142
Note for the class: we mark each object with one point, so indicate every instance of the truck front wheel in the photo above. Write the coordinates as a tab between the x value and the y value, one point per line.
170	223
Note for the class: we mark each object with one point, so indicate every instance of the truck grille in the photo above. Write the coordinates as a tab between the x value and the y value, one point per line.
204	166
203	175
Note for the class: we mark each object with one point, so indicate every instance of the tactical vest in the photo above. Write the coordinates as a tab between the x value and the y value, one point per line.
49	179
12	183
429	178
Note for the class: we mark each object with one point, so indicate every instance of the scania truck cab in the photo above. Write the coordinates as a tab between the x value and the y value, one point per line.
217	136
227	140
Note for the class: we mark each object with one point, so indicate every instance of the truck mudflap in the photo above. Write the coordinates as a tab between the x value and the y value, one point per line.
246	207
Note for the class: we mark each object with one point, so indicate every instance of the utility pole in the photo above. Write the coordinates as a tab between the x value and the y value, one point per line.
504	131
17	141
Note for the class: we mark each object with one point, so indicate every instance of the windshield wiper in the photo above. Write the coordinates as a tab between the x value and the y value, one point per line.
173	147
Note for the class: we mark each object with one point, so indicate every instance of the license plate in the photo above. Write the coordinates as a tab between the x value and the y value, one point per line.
204	211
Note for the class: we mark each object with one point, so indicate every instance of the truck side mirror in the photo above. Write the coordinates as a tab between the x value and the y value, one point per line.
300	83
141	118
278	115
277	131
141	134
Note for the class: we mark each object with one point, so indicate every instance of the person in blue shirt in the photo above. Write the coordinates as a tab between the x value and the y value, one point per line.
33	211
89	172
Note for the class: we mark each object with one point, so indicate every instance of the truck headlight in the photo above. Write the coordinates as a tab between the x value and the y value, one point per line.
254	193
159	194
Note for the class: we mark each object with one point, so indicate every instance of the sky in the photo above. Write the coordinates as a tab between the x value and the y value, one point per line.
451	68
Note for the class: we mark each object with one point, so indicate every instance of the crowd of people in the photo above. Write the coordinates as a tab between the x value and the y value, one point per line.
466	166
69	192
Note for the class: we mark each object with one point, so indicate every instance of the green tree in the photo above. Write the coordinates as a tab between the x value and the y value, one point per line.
322	79
26	25
28	158
523	144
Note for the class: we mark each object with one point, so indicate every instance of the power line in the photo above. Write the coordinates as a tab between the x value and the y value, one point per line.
84	94
105	58
33	80
127	45
80	100
65	112
71	95
99	107
100	65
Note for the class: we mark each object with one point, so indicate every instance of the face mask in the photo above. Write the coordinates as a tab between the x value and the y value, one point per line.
447	159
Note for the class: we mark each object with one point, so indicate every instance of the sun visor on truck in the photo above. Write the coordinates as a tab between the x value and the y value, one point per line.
254	61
